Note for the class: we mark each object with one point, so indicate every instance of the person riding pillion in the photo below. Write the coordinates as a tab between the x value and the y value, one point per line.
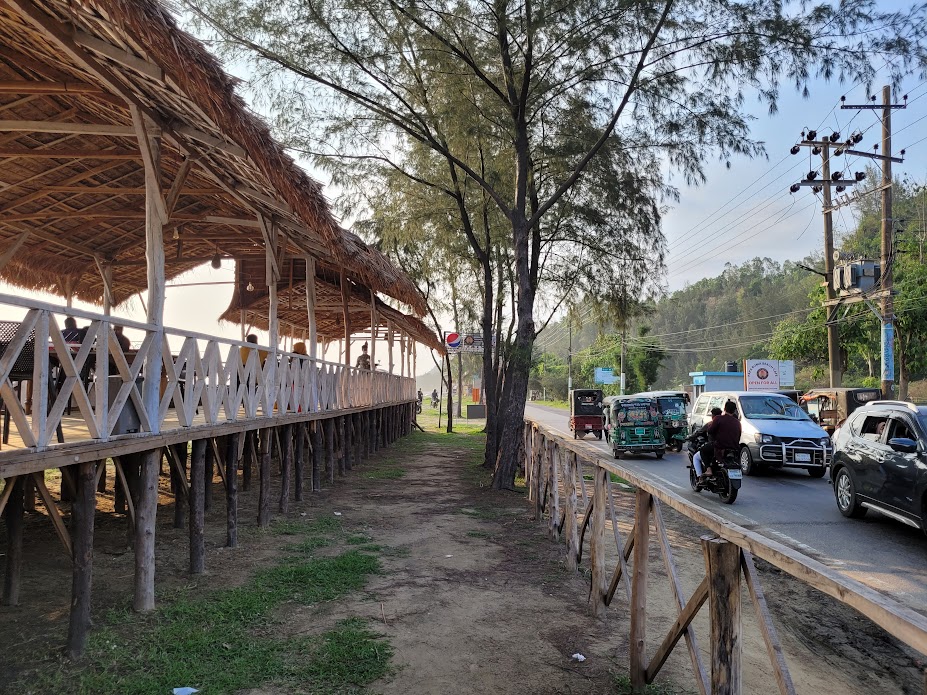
725	431
707	451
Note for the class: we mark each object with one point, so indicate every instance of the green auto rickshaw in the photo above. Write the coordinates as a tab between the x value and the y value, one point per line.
635	426
672	407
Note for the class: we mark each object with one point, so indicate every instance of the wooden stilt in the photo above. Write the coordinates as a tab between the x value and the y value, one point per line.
596	540
299	459
358	438
249	460
638	642
82	516
146	511
347	442
286	465
197	516
342	448
329	426
231	490
264	475
209	474
179	483
101	476
29	494
13	514
316	456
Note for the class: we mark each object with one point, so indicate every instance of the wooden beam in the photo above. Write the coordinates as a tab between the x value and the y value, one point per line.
39	87
11	126
29	153
681	627
10	252
150	149
176	187
346	316
211	140
119	55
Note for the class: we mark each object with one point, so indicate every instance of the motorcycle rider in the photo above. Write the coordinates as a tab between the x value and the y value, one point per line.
725	431
707	450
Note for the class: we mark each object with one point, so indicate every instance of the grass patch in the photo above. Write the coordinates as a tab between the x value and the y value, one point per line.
225	641
477	534
385	474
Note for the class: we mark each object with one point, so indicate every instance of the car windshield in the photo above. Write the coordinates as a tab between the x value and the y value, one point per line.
672	406
770	408
922	418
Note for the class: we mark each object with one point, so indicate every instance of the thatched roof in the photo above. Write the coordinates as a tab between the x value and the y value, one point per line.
329	313
72	175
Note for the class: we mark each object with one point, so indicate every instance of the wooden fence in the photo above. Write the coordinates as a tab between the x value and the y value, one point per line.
554	469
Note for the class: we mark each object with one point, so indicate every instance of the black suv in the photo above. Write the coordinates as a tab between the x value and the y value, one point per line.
880	462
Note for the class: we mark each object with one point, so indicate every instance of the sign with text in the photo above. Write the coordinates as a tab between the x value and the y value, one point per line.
604	375
761	375
465	342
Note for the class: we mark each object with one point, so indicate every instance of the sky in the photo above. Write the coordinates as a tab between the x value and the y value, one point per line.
741	212
747	211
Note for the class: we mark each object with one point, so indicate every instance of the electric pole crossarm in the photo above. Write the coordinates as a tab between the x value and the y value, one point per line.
873	106
871	155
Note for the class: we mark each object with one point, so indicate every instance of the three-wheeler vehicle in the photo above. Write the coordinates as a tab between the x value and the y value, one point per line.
830	407
635	426
586	413
672	407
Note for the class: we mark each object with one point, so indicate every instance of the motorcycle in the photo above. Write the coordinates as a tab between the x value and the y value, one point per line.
726	476
418	407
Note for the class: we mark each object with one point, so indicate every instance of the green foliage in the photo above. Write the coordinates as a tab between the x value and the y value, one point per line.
644	358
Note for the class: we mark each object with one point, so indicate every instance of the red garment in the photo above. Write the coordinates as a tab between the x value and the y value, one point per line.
725	432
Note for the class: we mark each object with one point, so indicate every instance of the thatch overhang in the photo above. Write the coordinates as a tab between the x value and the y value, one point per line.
72	194
252	306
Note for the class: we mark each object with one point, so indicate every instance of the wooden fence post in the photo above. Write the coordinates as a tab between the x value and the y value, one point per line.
146	512
209	474
82	512
597	544
722	562
197	498
639	577
572	533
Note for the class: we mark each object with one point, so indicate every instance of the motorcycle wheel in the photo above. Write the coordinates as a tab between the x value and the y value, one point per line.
727	493
693	480
678	445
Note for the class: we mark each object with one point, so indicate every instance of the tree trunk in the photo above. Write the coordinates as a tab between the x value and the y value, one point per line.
515	383
450	393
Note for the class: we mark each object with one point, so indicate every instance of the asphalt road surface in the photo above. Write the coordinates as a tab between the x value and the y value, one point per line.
788	506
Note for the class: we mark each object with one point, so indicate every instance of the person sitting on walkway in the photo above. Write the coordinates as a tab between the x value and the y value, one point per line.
363	359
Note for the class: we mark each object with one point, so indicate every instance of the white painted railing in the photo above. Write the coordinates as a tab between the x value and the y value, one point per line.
205	380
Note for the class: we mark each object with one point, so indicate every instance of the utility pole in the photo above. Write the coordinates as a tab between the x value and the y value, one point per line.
887	314
833	334
570	359
888	303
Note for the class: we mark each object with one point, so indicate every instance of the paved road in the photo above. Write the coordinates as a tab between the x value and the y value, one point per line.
800	512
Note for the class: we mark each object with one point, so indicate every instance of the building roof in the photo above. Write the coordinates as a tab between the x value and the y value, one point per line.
72	194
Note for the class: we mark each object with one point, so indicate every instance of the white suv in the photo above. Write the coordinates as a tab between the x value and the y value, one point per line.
775	432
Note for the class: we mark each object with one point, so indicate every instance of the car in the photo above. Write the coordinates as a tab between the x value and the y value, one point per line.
775	432
880	462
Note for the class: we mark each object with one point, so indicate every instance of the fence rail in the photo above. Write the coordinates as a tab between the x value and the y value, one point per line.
174	380
557	489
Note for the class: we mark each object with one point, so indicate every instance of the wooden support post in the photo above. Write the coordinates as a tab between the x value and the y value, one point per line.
722	563
597	544
249	460
639	577
348	442
286	455
316	429
301	431
209	474
197	516
231	490
82	516
571	532
146	511
178	486
357	440
13	514
329	425
342	447
267	438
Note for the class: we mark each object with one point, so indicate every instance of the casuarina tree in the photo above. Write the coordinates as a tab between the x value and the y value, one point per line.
556	89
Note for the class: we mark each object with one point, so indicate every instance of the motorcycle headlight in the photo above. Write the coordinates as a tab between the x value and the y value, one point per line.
763	438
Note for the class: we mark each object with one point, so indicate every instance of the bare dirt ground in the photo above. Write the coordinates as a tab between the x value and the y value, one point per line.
474	597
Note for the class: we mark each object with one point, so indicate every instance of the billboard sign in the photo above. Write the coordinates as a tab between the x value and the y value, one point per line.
464	342
786	374
604	375
761	375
